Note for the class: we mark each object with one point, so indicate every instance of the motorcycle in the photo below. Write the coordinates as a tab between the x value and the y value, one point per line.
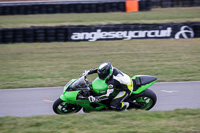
76	92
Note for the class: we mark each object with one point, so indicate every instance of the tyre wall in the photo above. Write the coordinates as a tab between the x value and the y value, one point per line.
19	8
100	32
174	3
69	7
23	8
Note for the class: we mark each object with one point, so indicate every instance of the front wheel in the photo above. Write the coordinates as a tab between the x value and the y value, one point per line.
63	107
144	101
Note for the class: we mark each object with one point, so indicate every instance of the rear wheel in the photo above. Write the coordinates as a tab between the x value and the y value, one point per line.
144	101
63	107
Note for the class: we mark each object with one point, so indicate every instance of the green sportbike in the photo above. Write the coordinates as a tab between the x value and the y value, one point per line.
76	92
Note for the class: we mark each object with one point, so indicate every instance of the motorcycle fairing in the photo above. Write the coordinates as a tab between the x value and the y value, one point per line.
89	106
69	96
68	84
142	82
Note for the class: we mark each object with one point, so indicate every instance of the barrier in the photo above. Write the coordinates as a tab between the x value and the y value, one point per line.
73	7
133	31
174	3
132	6
100	32
17	8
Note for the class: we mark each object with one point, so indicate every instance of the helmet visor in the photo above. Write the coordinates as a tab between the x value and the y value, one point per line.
103	75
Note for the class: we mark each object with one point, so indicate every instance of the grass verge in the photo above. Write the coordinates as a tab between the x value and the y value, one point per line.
157	15
54	64
133	121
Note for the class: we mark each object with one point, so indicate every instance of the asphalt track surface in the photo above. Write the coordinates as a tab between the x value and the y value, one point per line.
39	101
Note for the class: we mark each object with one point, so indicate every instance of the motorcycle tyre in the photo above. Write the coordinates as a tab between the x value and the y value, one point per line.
59	101
147	93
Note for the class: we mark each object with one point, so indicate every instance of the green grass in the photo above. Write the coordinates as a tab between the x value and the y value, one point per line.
158	15
177	121
53	64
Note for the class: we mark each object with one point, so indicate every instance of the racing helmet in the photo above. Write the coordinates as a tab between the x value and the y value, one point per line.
105	70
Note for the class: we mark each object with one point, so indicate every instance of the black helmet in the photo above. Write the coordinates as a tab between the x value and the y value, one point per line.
105	70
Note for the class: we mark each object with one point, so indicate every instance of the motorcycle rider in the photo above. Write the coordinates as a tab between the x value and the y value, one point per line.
115	80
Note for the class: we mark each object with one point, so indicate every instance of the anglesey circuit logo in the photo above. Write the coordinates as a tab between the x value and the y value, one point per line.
185	32
124	35
163	32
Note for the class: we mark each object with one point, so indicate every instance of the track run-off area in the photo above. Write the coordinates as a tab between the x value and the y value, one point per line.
39	101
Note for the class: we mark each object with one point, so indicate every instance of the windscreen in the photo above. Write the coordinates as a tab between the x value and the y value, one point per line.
80	83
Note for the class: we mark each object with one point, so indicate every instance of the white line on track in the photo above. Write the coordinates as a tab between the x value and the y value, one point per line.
170	91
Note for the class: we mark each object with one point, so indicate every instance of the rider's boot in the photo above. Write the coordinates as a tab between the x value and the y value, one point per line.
125	105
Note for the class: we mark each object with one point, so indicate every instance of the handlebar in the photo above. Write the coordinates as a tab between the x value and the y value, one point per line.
86	81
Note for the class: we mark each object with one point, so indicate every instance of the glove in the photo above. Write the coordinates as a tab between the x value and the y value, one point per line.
85	73
92	99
